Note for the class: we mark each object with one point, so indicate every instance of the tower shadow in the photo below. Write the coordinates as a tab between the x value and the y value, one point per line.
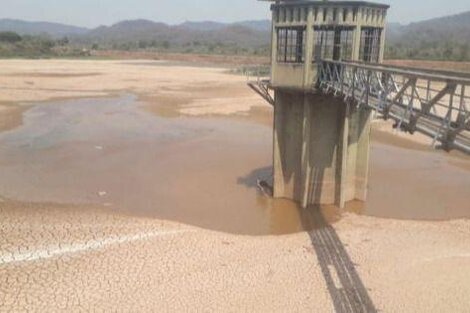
346	288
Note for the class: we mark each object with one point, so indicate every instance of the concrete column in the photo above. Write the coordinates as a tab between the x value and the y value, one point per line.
362	154
288	138
382	45
273	47
356	43
309	43
341	195
358	154
357	36
278	171
306	168
321	149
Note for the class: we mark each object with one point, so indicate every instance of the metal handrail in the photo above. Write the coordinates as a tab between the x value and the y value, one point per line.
394	92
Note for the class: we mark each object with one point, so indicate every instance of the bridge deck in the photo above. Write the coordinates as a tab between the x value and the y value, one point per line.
435	103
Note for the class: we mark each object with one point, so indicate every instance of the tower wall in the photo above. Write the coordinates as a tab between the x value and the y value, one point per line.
321	143
321	149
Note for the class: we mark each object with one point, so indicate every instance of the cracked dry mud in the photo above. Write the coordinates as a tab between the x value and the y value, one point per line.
167	267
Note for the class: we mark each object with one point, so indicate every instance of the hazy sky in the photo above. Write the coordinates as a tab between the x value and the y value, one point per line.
91	13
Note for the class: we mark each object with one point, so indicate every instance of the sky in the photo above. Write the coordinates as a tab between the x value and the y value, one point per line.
92	13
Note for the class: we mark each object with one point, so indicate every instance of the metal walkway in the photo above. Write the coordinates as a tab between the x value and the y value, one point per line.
435	103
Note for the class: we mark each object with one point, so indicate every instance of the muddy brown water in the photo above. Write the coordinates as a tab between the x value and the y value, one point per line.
199	171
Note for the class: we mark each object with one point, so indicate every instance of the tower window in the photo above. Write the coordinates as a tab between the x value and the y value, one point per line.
290	44
370	44
333	43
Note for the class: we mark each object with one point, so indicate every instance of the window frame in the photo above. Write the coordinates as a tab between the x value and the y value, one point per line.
370	46
291	44
328	34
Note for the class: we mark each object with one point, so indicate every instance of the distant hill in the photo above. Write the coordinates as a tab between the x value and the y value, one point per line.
258	25
243	33
262	25
189	36
54	30
443	28
203	26
126	31
445	38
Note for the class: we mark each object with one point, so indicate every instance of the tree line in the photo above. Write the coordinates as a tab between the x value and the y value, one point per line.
418	47
14	45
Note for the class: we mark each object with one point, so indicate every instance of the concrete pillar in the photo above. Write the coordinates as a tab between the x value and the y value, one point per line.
362	124
321	149
382	45
278	147
356	43
309	43
305	158
274	44
288	137
342	184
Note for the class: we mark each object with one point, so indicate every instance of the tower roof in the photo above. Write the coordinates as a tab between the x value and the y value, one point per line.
330	2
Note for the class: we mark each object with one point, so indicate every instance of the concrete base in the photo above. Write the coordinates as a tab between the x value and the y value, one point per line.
321	149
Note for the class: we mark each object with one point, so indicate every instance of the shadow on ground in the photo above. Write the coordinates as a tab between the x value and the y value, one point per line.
346	288
344	284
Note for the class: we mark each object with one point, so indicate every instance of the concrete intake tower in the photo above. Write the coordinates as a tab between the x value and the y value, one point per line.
321	143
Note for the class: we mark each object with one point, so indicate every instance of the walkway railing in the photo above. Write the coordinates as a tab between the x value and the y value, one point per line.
435	103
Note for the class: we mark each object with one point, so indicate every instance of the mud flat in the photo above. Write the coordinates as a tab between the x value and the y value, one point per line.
132	186
11	116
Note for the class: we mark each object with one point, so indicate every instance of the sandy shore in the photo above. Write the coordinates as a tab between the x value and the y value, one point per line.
60	257
42	80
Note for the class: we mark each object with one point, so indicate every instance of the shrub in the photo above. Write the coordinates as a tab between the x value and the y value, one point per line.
10	37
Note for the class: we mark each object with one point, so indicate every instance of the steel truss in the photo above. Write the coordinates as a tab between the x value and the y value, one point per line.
435	103
261	87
